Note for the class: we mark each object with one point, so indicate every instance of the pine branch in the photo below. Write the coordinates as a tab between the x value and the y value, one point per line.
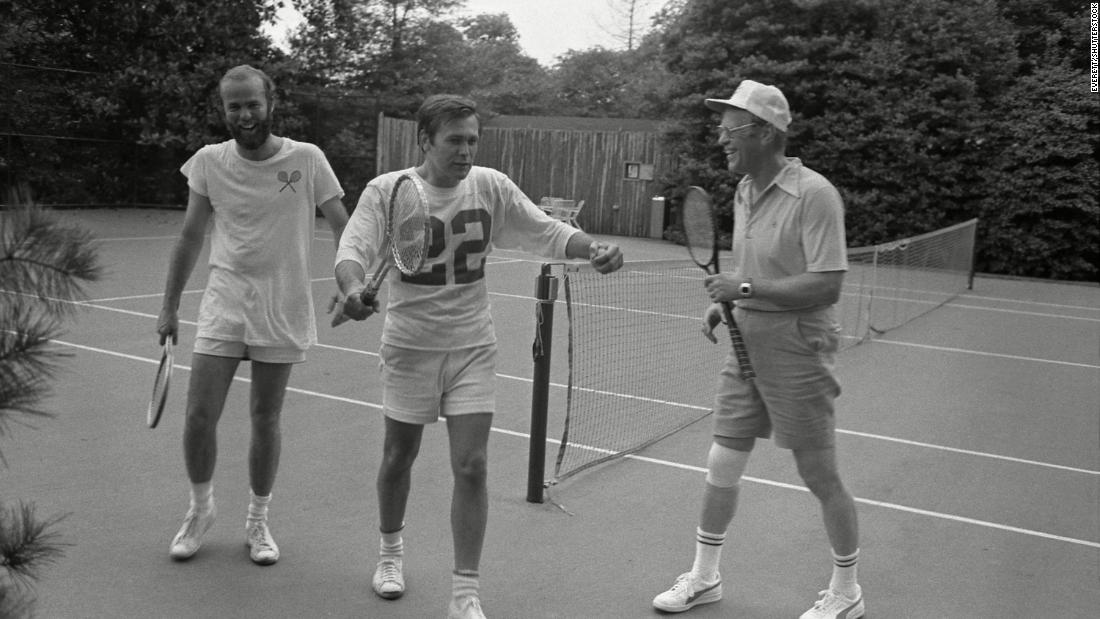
43	257
43	268
28	362
27	545
14	602
44	265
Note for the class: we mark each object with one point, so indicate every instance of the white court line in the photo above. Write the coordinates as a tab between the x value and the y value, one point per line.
180	366
969	452
1022	312
987	354
1021	302
666	463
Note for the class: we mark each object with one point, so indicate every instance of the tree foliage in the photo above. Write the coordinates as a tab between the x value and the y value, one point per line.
914	109
922	112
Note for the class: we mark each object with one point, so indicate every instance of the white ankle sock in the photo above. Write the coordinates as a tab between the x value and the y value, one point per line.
844	574
202	496
464	583
257	507
708	552
392	544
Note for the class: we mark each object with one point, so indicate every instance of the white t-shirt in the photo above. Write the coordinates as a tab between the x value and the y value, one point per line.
259	291
445	306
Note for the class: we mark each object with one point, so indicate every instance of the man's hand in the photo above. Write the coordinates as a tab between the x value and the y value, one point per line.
168	326
711	318
605	257
722	287
351	307
356	309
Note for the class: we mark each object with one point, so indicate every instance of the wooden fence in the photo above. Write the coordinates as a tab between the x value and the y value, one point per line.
615	172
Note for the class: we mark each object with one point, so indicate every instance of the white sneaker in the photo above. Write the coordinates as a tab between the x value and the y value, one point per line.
189	538
261	546
389	581
687	593
466	607
833	605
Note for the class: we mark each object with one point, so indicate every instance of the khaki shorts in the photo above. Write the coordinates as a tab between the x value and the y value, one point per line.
793	392
240	350
420	386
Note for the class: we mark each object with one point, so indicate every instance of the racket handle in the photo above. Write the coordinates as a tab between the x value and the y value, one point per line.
371	291
739	349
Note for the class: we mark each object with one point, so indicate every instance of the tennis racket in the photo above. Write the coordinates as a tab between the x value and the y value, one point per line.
700	224
408	234
160	386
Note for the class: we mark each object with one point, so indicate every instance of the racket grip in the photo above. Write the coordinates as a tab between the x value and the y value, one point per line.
371	291
739	349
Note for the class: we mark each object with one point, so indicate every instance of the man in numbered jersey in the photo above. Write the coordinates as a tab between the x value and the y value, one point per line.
438	343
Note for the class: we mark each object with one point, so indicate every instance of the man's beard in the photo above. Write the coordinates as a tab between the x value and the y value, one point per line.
253	139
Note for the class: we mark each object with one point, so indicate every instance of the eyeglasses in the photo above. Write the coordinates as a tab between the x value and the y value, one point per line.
724	131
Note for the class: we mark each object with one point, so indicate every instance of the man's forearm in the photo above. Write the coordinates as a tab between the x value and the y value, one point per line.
180	265
801	290
578	246
350	277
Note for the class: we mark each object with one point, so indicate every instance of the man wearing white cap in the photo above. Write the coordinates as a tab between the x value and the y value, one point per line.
790	254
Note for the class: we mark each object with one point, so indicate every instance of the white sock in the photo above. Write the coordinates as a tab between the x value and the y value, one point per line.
392	544
257	507
844	574
464	583
202	496
708	552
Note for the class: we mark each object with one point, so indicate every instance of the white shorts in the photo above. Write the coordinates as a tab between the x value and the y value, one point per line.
240	350
420	386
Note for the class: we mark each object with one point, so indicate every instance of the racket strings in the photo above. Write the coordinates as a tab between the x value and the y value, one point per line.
699	229
411	230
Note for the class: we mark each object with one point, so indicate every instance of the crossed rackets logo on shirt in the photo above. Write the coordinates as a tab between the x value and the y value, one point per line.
288	181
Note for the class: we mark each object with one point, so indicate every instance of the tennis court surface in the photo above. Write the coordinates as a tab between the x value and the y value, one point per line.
969	437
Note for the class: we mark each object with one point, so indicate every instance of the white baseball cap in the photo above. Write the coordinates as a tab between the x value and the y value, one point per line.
762	100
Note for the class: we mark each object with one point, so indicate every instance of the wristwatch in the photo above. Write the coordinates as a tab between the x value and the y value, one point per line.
745	289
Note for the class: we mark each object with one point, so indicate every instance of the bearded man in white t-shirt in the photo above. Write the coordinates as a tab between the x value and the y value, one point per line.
261	191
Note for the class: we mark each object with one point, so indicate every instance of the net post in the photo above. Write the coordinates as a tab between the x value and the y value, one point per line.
973	255
546	291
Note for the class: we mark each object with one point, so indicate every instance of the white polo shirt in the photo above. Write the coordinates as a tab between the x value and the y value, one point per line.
797	226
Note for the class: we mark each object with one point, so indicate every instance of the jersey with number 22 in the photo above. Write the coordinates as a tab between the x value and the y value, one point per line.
445	305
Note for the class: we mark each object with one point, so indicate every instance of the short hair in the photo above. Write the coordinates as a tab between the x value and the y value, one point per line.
437	110
243	72
780	135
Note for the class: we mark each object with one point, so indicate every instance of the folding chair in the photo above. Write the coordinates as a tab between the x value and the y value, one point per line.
567	211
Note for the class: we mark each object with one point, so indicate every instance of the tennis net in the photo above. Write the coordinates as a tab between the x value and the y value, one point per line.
891	284
639	369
